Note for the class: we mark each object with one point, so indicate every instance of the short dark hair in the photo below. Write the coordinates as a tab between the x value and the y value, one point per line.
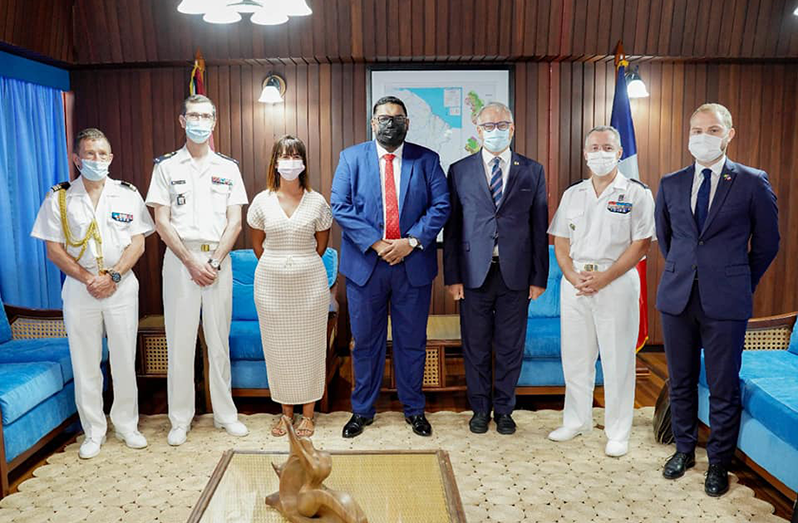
385	100
197	99
89	133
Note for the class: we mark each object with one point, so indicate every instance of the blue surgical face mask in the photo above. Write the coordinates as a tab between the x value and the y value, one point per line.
496	140
199	132
93	171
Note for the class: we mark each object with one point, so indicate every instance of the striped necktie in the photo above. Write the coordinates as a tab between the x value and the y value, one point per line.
496	181
702	200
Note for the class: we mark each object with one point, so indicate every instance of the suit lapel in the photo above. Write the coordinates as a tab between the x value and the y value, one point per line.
512	174
374	183
407	171
686	190
727	177
478	177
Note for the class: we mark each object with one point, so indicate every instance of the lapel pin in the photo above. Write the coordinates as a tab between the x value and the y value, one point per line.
727	176
516	163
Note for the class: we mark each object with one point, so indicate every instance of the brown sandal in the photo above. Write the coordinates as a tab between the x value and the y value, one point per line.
306	427
280	429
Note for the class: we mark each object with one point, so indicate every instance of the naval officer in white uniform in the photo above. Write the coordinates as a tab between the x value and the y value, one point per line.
95	228
197	195
602	229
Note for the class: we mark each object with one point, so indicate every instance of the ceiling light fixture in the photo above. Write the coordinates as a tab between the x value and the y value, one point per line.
264	12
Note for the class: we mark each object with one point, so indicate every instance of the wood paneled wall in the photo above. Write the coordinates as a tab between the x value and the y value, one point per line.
41	26
555	105
129	31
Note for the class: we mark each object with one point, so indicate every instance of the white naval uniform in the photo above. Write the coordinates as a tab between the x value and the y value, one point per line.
600	229
198	196
120	214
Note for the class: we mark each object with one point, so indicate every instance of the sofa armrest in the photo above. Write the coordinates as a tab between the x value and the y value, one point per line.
35	323
770	332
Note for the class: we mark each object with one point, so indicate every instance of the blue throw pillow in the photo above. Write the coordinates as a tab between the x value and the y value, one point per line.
548	305
794	340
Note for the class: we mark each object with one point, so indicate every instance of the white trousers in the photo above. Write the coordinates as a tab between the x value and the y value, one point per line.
182	302
605	323
84	318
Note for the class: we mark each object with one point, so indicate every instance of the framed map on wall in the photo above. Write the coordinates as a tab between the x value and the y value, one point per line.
442	104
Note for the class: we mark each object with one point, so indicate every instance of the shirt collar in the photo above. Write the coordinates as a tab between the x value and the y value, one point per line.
716	168
184	156
487	157
382	152
77	187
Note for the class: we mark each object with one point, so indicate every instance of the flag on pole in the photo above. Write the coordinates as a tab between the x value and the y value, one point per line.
196	84
622	120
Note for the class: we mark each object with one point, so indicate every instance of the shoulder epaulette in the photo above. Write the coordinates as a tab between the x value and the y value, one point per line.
638	182
164	157
128	185
59	186
577	182
227	157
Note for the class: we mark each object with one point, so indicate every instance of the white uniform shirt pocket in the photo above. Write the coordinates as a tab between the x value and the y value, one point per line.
219	196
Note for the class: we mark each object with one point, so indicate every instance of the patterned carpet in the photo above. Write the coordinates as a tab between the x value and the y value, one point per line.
523	477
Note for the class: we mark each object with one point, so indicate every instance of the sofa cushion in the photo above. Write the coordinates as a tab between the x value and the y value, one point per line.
249	374
330	260
54	350
761	364
774	402
548	304
542	338
25	385
545	372
245	341
793	348
243	263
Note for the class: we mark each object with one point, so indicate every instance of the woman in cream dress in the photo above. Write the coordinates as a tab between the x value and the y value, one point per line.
290	228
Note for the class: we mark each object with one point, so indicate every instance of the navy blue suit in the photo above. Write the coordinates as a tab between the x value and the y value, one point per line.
494	310
372	284
705	295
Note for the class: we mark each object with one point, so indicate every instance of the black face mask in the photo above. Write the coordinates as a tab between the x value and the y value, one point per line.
391	134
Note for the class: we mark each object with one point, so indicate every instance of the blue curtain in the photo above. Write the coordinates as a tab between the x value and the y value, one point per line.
33	157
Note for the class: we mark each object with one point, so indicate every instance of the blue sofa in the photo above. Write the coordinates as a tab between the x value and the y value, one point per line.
769	393
37	390
541	371
246	350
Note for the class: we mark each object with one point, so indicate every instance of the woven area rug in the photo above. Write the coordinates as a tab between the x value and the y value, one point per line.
523	477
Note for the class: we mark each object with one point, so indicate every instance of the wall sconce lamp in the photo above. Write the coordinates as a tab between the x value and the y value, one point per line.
634	83
273	89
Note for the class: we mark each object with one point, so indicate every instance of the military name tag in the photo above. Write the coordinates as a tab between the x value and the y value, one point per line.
122	217
216	180
620	207
178	182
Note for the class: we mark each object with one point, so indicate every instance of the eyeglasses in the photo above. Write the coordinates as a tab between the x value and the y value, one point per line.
385	119
490	126
195	117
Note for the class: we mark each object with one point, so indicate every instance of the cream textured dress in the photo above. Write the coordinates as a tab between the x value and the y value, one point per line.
292	296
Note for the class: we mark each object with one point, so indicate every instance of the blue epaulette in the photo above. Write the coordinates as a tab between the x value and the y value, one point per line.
128	185
57	187
164	157
227	157
638	182
577	182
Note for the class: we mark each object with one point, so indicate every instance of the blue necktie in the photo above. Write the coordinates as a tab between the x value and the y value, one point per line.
496	182
702	200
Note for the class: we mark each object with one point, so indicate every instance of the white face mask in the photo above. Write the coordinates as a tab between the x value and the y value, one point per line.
290	169
705	147
602	163
93	170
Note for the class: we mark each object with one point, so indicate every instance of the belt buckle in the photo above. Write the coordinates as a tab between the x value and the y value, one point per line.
205	247
590	267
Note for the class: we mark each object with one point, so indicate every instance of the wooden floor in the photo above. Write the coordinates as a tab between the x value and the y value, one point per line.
153	401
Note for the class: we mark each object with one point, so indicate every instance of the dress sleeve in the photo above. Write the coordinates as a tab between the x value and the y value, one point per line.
255	216
324	219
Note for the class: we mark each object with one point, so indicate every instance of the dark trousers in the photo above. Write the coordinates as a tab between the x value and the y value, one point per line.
368	318
493	316
722	340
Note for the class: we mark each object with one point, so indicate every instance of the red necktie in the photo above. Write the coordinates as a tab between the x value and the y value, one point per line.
392	231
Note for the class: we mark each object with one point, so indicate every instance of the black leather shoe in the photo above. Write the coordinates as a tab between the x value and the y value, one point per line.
479	422
355	425
420	425
504	423
717	482
678	464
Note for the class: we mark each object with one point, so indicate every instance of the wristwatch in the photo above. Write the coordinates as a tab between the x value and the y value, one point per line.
115	276
215	264
413	242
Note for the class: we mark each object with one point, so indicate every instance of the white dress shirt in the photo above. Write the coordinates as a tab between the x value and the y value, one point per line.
397	176
698	178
